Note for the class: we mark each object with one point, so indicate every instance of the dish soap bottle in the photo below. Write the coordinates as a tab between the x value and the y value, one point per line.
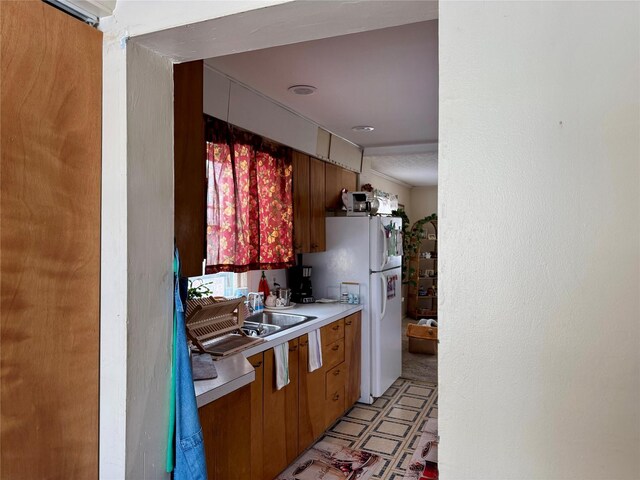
263	286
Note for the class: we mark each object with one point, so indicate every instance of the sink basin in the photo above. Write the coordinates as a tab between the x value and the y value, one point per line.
254	329
267	323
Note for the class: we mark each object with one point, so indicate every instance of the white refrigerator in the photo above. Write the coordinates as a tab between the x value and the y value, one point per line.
358	251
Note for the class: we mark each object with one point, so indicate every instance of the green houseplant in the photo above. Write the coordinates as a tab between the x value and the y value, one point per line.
411	238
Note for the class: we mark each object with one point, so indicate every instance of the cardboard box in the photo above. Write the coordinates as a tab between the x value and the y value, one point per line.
422	339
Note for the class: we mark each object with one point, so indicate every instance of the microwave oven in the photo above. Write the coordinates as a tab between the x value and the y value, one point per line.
358	204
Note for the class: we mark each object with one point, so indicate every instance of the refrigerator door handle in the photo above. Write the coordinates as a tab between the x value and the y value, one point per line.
385	247
384	296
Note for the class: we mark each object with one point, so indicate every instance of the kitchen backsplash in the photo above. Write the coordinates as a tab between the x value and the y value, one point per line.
253	278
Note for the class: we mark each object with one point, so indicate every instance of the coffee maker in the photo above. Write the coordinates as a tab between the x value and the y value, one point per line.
300	283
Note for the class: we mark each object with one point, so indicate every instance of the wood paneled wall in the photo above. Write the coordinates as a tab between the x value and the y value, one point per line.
189	166
50	123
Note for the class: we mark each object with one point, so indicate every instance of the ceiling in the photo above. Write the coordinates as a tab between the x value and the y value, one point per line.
386	78
416	169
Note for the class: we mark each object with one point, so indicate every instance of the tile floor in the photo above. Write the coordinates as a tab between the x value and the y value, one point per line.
391	427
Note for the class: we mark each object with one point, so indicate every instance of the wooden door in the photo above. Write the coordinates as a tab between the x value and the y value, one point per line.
280	423
50	123
353	347
301	212
227	440
316	205
312	399
257	417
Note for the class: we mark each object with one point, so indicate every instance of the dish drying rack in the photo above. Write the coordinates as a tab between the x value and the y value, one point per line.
214	326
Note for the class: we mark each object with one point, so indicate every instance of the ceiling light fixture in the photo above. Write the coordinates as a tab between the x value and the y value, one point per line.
363	128
302	89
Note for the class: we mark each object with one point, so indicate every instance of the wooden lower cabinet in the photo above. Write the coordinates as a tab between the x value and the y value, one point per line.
280	419
227	436
257	361
257	431
352	354
312	403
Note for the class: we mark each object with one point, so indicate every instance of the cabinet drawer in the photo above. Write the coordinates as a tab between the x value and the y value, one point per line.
336	378
332	332
333	354
335	406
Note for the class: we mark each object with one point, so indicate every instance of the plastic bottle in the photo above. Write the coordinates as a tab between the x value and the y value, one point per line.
259	306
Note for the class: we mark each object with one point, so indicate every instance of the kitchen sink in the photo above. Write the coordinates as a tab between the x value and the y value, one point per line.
264	324
254	329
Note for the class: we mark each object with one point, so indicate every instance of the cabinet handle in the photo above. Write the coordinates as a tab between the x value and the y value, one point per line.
347	323
336	327
314	245
336	397
336	372
305	343
335	347
257	365
293	348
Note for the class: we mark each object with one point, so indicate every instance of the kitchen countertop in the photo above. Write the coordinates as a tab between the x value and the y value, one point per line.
235	371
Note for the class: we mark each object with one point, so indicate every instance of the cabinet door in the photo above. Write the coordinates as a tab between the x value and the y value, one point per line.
332	187
226	436
316	205
257	417
301	205
349	180
352	341
335	179
189	154
312	399
332	332
280	422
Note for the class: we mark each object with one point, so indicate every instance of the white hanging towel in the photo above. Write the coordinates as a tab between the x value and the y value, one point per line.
281	354
315	350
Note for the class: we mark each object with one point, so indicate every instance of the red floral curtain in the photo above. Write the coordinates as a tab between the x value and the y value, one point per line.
249	206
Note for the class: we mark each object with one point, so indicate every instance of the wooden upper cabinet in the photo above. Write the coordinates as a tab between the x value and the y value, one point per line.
189	155
337	178
332	181
316	205
349	180
308	204
301	202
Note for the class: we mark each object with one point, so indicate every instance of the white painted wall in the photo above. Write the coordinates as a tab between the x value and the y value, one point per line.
150	258
113	262
140	17
387	185
539	187
424	202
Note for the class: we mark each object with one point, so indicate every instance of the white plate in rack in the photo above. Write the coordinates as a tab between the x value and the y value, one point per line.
277	309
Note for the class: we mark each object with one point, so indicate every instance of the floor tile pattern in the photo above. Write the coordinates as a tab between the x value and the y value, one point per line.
391	427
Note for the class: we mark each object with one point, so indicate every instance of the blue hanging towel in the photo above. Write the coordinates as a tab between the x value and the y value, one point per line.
190	461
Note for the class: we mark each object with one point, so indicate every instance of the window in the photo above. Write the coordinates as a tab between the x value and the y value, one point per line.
249	201
223	284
